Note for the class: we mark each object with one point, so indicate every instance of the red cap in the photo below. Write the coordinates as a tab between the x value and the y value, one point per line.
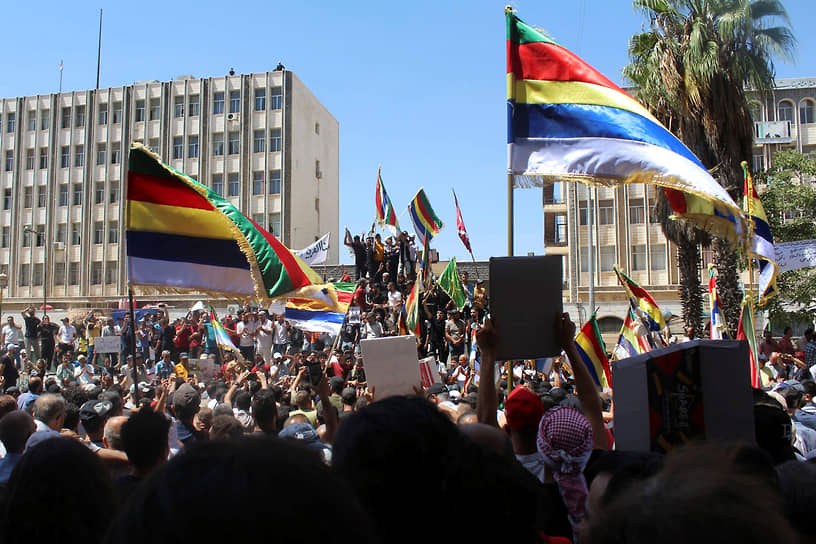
523	410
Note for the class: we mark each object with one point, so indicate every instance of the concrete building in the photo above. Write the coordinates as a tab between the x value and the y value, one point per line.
263	140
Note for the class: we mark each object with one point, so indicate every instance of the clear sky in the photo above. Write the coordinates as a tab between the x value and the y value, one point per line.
417	87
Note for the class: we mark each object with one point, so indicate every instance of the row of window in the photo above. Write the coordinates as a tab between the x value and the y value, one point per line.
62	195
61	235
234	143
234	184
606	212
785	110
193	108
65	156
35	273
608	257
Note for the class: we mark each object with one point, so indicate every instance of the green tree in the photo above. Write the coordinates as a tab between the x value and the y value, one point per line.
692	66
790	205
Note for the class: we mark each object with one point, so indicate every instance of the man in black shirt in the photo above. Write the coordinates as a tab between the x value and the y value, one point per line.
351	335
8	370
32	333
359	250
47	331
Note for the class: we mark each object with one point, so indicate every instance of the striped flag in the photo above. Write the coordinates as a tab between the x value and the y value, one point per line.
385	211
746	331
761	241
182	235
644	306
426	223
590	346
718	328
412	308
313	316
460	225
633	339
566	119
222	339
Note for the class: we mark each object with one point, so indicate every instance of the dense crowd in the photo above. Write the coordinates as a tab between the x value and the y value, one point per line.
285	437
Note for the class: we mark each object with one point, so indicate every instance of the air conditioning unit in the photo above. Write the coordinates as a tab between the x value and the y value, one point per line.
232	117
59	246
318	173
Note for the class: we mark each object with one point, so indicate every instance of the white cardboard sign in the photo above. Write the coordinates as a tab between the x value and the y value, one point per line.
107	344
391	365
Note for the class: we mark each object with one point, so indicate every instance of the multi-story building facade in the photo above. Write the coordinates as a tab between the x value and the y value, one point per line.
262	140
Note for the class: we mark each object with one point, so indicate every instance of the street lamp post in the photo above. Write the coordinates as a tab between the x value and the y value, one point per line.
3	285
38	234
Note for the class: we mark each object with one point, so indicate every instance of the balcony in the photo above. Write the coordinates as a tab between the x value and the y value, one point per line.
773	132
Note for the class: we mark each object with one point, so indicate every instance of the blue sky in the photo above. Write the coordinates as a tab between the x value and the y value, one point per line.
417	87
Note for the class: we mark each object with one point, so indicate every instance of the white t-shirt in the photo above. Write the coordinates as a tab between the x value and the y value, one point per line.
264	334
12	335
279	336
245	330
534	463
67	334
394	299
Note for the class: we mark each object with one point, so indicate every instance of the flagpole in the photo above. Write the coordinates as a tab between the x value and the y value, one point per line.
61	67
99	50
510	215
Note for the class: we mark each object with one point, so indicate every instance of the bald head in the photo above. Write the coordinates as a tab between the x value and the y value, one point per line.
489	437
113	433
15	428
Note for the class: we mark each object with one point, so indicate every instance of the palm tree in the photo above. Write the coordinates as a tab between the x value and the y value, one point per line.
692	67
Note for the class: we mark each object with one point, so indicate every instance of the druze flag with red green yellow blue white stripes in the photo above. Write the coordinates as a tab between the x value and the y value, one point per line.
181	235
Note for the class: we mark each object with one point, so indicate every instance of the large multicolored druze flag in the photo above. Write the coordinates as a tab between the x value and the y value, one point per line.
633	339
718	328
566	121
642	303
386	216
222	339
746	331
590	346
450	282
412	308
761	243
182	235
426	223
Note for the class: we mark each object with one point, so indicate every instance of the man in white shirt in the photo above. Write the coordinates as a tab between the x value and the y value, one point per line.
66	336
246	331
281	336
263	336
12	333
372	327
394	296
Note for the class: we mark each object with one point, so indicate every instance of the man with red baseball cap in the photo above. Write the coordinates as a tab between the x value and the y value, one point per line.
523	410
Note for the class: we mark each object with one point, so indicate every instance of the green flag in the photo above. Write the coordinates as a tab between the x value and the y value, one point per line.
450	283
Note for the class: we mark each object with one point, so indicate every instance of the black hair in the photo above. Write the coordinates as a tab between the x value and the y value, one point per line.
144	438
15	428
71	501
797	483
226	427
243	399
809	387
167	506
264	409
113	397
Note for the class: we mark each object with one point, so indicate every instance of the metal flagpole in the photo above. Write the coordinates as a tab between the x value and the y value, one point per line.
135	376
99	50
510	215
590	245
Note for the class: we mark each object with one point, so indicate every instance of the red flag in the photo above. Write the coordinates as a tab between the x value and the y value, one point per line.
460	225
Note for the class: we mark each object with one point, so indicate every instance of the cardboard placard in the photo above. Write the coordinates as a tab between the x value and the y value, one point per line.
354	315
525	301
391	365
690	391
428	373
107	344
203	369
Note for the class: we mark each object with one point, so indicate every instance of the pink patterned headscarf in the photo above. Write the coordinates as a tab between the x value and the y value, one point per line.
565	442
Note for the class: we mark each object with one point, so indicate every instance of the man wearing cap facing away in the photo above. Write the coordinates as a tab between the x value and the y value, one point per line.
186	404
182	369
93	415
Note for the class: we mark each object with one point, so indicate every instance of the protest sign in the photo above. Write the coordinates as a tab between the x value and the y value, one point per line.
391	365
525	301
107	344
794	255
203	369
315	253
690	391
354	315
428	374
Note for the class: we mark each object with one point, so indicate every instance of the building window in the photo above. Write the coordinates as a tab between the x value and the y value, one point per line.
153	144
218	144
275	98
26	239
66	117
234	143
11	121
235	101
43	158
317	128
637	213
24	269
117	112
45	119
29	159
5	234
192	147
31	117
217	184
258	218
59	273
113	232
155	109
42	196
274	182
607	258
102	116
606	212
6	199
76	233
79	119
139	111
806	112
9	160
785	111
275	139
658	255
114	192
115	153
38	274
758	162
639	257
194	105
259	141
111	271
257	183
96	273
178	106
99	192
63	194
73	274
218	103
76	199
260	99
274	224
79	155
98	232
101	153
62	233
178	147
28	197
233	186
65	157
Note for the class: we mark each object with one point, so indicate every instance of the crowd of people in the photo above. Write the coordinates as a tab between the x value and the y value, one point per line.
285	435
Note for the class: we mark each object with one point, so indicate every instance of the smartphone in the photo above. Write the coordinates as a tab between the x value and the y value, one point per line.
315	371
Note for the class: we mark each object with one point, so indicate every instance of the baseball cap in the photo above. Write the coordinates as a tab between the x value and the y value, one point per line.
184	355
185	398
277	355
11	346
523	410
95	411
